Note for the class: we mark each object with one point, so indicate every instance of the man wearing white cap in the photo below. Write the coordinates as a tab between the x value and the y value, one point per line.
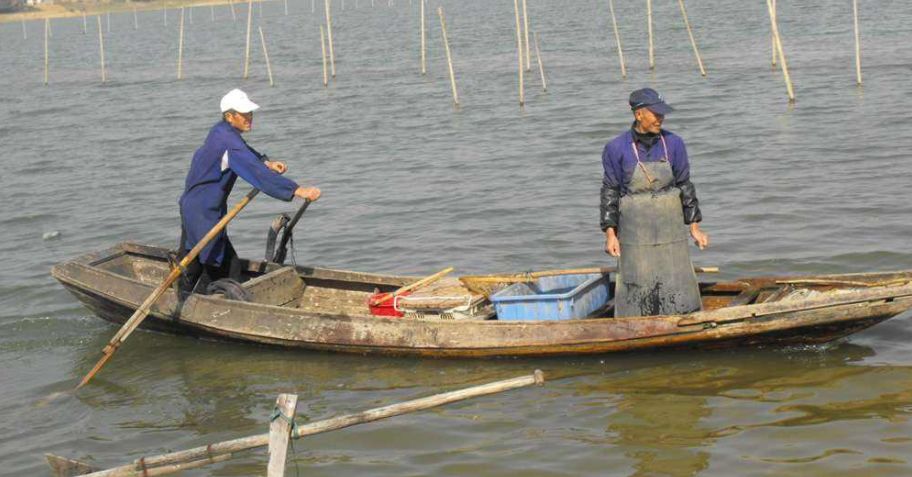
215	167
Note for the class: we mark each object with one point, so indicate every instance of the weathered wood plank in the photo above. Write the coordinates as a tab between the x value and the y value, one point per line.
279	432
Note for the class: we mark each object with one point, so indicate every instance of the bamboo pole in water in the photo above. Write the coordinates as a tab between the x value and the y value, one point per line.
775	27
323	47
247	47
101	48
525	15
50	31
857	43
266	56
233	13
519	50
24	31
85	23
180	48
286	8
47	28
446	47
279	434
774	57
652	61
212	13
165	12
693	42
220	451
329	37
617	39
135	20
541	66
423	40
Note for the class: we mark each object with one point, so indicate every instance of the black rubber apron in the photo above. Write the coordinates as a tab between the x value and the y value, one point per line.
655	274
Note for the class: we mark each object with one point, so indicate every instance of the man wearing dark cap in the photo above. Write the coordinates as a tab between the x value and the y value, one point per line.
647	198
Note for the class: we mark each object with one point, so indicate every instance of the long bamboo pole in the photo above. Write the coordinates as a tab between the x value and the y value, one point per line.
857	43
525	15
24	30
146	307
519	50
212	13
247	47
266	55
693	42
784	64
652	62
101	48
446	46
85	23
774	57
233	13
50	30
218	449
165	12
323	47
617	39
329	36
180	48
135	20
47	28
286	8
423	39
541	66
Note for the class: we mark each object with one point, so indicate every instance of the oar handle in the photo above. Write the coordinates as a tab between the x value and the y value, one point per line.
143	311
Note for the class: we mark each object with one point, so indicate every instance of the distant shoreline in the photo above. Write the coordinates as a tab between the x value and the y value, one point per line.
40	12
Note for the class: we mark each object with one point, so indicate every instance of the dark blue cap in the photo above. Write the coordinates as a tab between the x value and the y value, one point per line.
649	98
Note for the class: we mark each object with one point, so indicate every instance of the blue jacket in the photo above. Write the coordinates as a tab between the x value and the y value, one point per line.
619	161
215	167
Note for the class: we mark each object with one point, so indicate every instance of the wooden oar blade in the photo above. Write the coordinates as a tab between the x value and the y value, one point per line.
63	467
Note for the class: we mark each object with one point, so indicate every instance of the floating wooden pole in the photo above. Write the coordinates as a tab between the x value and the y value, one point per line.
423	40
519	49
101	48
323	47
266	55
652	62
233	13
180	48
446	46
247	47
135	20
617	38
279	432
541	66
693	42
47	28
525	15
780	51
329	36
157	465
774	58
857	43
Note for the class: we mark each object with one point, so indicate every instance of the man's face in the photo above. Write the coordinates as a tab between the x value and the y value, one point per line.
649	121
243	122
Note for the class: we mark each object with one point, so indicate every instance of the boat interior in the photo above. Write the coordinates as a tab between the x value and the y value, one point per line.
319	290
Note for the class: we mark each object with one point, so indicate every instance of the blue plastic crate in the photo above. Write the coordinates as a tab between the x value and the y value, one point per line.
558	297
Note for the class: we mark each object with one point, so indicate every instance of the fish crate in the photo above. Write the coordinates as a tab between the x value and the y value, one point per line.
558	297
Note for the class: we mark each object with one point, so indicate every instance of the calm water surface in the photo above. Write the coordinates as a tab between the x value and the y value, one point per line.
412	186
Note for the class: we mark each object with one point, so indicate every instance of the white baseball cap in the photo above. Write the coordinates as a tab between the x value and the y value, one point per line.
237	100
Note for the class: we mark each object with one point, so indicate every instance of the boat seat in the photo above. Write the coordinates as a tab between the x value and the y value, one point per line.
278	287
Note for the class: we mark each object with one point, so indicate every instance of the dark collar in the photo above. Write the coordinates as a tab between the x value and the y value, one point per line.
646	139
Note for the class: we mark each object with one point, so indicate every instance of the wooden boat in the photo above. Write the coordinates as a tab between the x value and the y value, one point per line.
323	309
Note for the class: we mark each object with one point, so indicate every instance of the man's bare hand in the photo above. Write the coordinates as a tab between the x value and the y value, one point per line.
701	239
278	167
308	193
612	244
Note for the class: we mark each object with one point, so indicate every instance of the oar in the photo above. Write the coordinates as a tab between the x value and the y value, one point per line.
282	251
143	311
420	283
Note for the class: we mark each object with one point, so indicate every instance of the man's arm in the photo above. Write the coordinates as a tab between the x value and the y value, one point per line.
609	206
680	165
